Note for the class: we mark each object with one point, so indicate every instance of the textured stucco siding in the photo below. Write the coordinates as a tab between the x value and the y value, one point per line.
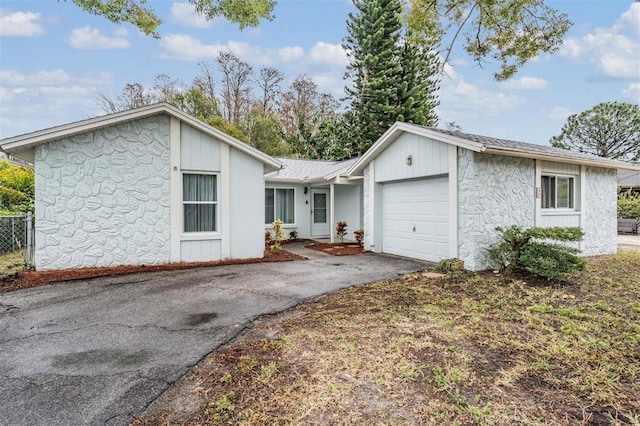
493	190
102	197
600	222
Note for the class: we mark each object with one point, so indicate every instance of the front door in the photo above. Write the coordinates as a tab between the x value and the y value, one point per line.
320	226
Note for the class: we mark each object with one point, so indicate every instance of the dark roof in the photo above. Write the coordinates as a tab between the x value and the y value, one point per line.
629	178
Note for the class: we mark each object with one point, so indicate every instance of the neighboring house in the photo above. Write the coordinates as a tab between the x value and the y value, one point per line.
433	194
629	179
154	185
311	196
150	185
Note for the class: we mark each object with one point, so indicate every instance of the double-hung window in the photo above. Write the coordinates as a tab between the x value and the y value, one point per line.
200	202
558	192
279	204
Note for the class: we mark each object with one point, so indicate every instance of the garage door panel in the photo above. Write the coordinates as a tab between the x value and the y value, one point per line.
421	205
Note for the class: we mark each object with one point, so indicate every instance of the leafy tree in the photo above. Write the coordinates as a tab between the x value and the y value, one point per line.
245	13
236	90
610	129
269	86
16	188
194	102
510	32
265	133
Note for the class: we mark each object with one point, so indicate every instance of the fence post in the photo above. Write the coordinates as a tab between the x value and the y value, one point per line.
29	248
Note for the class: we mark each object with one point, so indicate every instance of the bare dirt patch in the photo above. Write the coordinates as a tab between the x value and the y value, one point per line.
467	349
337	249
26	279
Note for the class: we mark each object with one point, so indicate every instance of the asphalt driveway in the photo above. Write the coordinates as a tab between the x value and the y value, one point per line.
99	351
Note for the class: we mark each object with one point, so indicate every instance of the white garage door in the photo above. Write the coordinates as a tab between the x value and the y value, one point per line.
415	218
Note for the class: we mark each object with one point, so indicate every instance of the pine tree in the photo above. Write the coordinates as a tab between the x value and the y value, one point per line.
371	43
393	80
416	97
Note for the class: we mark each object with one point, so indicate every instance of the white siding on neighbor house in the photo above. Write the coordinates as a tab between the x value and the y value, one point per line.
493	190
246	205
198	151
428	158
348	208
103	197
601	211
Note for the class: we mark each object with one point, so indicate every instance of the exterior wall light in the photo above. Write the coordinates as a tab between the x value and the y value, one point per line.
408	160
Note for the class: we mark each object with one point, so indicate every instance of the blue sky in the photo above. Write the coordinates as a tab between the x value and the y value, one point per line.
55	61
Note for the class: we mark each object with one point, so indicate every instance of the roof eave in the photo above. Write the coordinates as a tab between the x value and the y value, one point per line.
609	164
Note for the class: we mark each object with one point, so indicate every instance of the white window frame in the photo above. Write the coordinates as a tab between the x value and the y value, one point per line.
275	204
216	203
572	190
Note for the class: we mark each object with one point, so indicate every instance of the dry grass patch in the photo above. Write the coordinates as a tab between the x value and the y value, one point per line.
466	349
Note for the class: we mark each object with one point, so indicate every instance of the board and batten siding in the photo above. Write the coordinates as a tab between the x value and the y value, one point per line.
428	158
246	206
103	197
348	207
200	152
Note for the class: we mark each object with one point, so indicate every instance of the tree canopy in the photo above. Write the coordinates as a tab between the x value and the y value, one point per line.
16	188
610	129
511	32
245	13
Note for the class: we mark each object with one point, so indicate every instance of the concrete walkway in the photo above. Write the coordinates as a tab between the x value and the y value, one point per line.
99	351
629	242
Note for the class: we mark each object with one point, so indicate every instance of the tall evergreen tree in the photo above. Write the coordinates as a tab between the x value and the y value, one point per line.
417	91
393	80
373	35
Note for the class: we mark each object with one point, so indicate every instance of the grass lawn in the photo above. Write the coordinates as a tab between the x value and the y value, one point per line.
10	263
468	349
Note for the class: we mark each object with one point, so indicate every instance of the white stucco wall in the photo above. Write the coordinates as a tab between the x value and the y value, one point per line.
601	210
493	191
102	198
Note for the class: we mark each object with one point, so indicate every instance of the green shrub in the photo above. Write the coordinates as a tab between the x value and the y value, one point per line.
341	230
628	205
278	235
293	235
537	251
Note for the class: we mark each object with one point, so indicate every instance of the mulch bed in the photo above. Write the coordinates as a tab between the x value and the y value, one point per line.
337	249
28	279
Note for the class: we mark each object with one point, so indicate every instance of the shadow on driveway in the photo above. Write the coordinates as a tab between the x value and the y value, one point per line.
99	351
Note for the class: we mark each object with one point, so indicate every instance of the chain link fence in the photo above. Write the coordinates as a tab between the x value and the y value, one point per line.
16	234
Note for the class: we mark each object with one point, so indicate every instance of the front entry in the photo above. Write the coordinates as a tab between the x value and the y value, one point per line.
320	226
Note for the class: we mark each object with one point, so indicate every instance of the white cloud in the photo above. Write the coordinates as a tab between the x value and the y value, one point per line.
460	96
184	14
559	113
187	48
526	83
87	38
327	54
41	78
20	24
614	51
632	93
47	98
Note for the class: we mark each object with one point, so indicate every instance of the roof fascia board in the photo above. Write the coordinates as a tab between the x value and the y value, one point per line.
561	159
